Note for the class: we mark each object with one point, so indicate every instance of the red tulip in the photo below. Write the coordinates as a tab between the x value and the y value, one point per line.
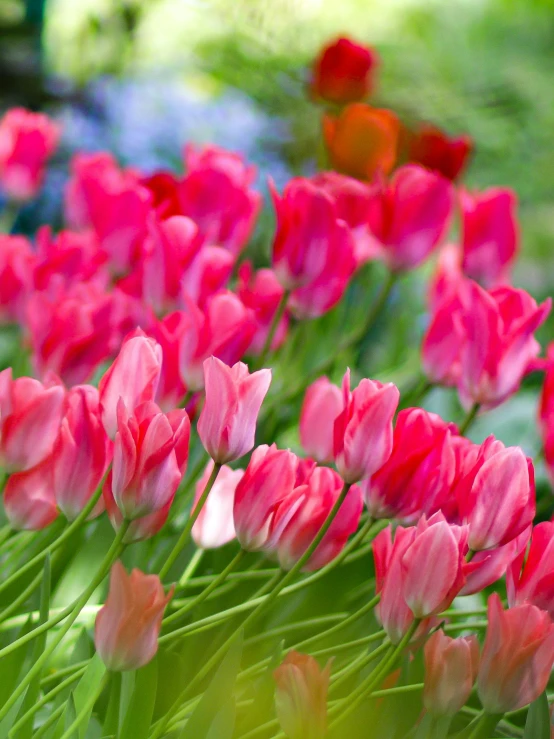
344	71
16	275
450	670
27	141
128	625
409	216
29	501
227	423
149	456
323	402
216	193
362	434
362	141
546	412
489	235
30	417
435	150
517	656
133	377
531	579
214	526
262	292
82	452
301	696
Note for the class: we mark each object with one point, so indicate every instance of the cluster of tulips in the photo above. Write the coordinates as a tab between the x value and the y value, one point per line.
143	332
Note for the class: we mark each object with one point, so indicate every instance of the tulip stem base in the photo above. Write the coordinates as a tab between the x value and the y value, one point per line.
469	419
483	726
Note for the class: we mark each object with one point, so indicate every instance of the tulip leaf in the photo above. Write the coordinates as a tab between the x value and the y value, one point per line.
11	664
220	690
223	723
111	719
537	725
88	685
141	706
32	693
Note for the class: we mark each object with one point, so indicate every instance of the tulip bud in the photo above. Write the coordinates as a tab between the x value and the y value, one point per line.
30	416
450	670
362	434
29	500
322	405
128	625
214	526
227	423
147	461
82	452
517	656
133	376
433	149
344	71
301	696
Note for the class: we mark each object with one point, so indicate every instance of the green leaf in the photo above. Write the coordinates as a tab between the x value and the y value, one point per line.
223	724
200	724
89	684
66	719
10	666
537	725
32	693
141	706
111	720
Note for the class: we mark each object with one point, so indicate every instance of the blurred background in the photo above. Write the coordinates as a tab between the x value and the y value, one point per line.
142	77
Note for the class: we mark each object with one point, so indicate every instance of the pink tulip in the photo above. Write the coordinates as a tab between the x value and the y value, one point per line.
128	625
168	332
531	579
301	696
450	670
489	235
16	276
517	656
442	343
409	216
30	416
224	329
299	518
27	141
269	478
308	234
546	412
82	452
487	567
133	377
66	258
148	461
29	501
323	403
261	292
227	423
419	474
139	529
498	343
362	440
217	194
496	499
208	274
214	526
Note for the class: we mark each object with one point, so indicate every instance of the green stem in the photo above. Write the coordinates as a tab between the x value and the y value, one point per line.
85	709
195	512
470	417
242	576
484	726
5	532
272	329
267	601
50	721
191	567
113	553
358	664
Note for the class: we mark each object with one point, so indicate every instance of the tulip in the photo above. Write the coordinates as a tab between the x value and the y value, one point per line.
532	581
362	141
498	343
441	348
299	518
216	193
362	433
546	412
322	405
30	417
208	274
227	423
409	216
16	274
168	332
66	258
148	458
164	189
489	235
82	452
435	150
269	478
128	625
450	670
344	71
262	292
214	526
29	501
27	141
487	567
223	329
418	476
133	376
517	656
139	529
301	696
496	499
